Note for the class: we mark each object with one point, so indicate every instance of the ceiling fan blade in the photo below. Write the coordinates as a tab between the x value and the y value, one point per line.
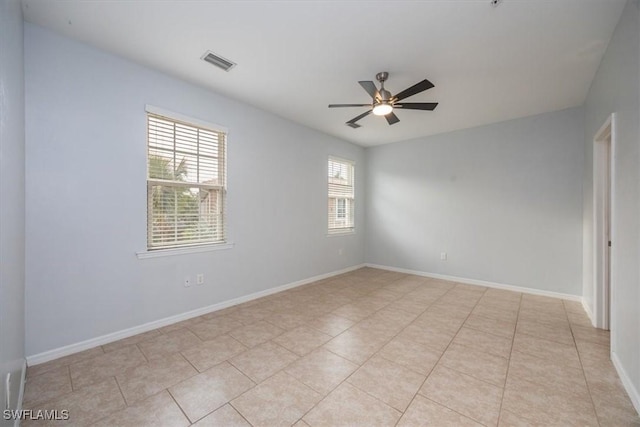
371	88
348	105
429	106
352	122
392	118
416	88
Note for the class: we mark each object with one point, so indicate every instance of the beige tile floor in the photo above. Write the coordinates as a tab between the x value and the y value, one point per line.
367	348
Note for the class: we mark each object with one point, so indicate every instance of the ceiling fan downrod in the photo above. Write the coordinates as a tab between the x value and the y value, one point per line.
385	95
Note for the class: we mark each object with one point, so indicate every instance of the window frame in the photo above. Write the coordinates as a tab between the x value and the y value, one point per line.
349	200
194	245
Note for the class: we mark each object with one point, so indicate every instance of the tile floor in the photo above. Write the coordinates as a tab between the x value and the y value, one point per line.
367	348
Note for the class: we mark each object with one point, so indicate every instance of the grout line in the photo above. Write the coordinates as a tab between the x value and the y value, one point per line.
142	352
186	360
230	362
506	376
126	404
548	339
180	407
242	373
238	412
70	378
192	365
453	410
584	375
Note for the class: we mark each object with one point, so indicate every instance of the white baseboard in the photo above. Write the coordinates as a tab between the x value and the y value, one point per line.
632	391
56	353
23	379
480	283
587	310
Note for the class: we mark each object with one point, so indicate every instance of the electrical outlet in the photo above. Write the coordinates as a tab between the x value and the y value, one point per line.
443	256
200	279
341	251
187	281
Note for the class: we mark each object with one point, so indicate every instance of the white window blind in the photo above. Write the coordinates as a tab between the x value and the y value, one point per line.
341	195
186	183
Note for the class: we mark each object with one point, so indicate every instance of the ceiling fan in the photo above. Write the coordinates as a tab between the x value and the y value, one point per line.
384	103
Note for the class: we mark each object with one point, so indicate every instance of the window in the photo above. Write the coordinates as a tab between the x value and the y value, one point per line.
341	195
341	209
186	182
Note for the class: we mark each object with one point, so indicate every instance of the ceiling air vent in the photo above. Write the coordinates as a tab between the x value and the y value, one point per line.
218	61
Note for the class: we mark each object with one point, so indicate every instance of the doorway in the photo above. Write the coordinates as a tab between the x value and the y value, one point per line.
603	149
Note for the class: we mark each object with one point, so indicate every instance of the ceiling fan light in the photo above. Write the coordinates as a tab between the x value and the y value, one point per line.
382	109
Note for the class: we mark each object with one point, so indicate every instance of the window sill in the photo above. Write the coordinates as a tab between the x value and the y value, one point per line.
341	233
183	251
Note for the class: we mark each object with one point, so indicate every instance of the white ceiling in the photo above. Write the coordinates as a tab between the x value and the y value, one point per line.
488	64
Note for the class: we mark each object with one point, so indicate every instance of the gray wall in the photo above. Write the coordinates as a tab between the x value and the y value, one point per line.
504	201
86	197
11	197
616	89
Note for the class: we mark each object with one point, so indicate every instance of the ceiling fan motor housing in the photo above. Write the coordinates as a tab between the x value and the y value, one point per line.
385	95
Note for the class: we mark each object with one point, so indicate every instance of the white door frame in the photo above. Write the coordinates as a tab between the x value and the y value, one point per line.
603	185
